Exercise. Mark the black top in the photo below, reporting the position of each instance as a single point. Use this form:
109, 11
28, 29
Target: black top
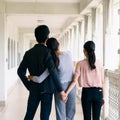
36, 60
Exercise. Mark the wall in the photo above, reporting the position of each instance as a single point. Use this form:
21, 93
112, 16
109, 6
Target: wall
11, 55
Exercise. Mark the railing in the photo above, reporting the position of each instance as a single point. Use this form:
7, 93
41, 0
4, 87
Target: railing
111, 109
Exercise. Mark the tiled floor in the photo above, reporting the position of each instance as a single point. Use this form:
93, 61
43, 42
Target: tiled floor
16, 106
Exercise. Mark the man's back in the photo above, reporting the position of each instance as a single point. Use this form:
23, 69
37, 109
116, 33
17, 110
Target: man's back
36, 60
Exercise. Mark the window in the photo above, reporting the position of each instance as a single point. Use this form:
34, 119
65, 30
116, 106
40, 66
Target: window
11, 53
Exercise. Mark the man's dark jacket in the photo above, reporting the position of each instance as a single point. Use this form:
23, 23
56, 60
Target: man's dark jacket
36, 60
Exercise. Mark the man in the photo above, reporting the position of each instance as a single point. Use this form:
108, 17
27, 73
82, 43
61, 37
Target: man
37, 60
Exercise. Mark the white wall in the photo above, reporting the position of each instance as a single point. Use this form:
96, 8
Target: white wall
2, 56
11, 73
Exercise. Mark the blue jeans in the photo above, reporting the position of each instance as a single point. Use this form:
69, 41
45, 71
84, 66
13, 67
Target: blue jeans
91, 103
33, 102
65, 111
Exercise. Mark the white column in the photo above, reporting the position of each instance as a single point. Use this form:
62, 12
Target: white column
69, 39
81, 40
75, 43
86, 27
3, 58
20, 46
61, 42
105, 26
66, 41
119, 34
93, 23
72, 42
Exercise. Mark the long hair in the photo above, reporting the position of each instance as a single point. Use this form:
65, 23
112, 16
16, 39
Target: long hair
89, 46
53, 44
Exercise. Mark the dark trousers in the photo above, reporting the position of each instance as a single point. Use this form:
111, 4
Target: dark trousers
33, 102
91, 103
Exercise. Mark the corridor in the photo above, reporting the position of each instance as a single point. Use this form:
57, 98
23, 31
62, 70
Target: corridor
72, 23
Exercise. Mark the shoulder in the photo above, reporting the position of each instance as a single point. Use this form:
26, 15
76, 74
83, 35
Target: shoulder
78, 63
82, 61
77, 66
38, 49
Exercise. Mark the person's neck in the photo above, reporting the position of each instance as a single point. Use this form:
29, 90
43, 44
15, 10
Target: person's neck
43, 43
86, 58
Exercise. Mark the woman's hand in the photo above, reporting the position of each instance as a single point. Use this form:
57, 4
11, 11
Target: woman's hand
30, 77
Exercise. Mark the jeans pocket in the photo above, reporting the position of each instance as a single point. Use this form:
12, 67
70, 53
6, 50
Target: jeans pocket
98, 95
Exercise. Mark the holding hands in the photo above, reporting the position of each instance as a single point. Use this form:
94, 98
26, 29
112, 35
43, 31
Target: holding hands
64, 96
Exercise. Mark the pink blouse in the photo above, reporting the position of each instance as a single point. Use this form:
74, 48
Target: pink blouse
88, 77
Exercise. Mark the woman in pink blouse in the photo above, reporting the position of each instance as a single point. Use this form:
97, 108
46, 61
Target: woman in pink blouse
90, 75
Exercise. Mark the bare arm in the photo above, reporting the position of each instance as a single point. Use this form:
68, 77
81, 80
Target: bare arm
72, 85
75, 79
40, 78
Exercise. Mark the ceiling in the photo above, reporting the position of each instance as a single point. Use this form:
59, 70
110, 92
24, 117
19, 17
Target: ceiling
57, 14
48, 1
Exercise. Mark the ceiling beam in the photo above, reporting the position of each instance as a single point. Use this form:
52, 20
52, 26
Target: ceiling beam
41, 8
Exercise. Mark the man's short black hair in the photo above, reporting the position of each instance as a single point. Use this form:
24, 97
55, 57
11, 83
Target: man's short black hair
41, 33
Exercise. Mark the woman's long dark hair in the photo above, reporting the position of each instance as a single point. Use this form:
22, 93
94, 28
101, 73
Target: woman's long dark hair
89, 46
53, 44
